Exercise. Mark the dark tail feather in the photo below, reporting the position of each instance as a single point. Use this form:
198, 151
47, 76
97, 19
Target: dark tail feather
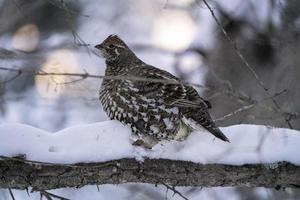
203, 118
218, 133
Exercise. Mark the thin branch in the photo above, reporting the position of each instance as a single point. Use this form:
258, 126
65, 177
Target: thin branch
70, 82
11, 79
81, 43
236, 50
247, 107
61, 5
87, 75
18, 8
33, 162
49, 195
11, 194
82, 76
173, 189
246, 63
244, 108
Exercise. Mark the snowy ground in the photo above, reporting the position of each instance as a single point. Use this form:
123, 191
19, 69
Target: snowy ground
111, 140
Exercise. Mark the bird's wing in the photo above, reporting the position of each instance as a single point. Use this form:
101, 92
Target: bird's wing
184, 96
173, 94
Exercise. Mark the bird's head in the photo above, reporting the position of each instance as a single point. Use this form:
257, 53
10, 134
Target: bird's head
113, 48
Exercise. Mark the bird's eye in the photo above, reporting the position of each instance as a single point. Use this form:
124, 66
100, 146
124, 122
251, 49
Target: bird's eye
111, 46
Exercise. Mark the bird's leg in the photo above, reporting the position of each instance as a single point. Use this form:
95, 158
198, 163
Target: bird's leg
146, 142
142, 143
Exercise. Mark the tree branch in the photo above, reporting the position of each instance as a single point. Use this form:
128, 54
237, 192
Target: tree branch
20, 174
246, 63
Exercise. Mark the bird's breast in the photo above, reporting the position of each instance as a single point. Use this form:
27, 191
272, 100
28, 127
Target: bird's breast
145, 115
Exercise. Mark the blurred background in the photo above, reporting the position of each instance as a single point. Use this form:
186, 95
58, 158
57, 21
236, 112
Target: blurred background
256, 80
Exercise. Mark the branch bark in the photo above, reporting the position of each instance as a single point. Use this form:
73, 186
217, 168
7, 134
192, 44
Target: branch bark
21, 174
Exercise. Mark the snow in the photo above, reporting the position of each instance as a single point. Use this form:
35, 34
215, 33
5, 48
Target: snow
110, 140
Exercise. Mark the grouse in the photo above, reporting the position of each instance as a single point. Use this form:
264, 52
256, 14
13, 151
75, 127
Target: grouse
155, 104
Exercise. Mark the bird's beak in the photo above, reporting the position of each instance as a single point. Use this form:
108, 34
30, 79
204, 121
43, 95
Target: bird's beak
98, 46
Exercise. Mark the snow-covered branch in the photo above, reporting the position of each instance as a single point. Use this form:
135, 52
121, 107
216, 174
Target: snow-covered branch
16, 173
102, 153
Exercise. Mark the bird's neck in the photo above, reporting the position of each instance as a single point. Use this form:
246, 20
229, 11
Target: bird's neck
122, 65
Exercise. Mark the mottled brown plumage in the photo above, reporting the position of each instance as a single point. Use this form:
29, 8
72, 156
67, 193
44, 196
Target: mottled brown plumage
154, 111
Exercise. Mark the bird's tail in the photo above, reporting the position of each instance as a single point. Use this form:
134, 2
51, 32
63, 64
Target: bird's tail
217, 132
199, 122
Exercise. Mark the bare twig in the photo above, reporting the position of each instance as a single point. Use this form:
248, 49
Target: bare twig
173, 189
83, 76
11, 194
236, 95
246, 63
50, 196
61, 5
87, 75
70, 82
11, 78
33, 162
247, 107
81, 43
18, 8
237, 51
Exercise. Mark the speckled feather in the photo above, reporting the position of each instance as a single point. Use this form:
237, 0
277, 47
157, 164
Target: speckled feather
158, 111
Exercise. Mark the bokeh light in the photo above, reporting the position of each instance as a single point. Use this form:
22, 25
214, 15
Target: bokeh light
60, 61
190, 62
26, 38
174, 30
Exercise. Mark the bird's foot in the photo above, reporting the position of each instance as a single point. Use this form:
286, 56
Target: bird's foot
142, 143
